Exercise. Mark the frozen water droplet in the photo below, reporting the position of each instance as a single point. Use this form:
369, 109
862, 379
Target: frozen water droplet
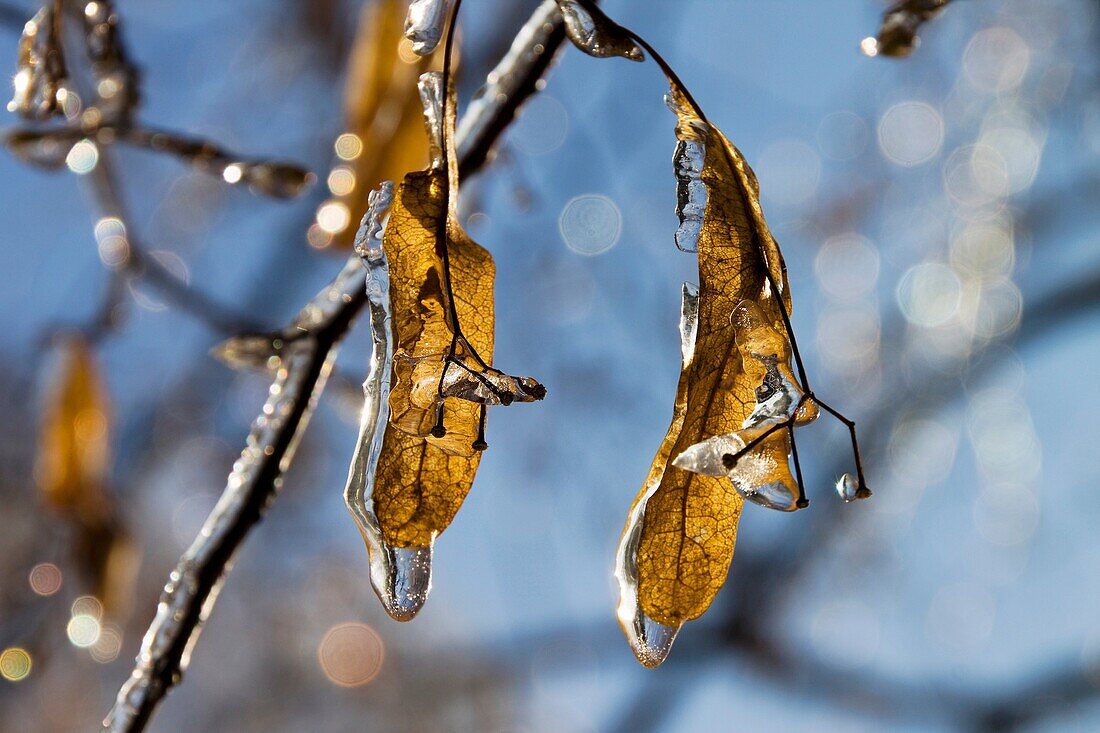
847, 486
278, 180
425, 22
650, 641
402, 579
593, 32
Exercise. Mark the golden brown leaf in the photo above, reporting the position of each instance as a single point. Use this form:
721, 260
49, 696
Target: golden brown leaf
421, 313
73, 461
422, 480
690, 521
73, 447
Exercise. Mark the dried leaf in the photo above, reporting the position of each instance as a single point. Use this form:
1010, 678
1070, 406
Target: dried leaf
690, 521
72, 468
900, 24
422, 476
73, 448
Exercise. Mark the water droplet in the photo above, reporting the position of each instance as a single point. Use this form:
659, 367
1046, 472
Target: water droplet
847, 486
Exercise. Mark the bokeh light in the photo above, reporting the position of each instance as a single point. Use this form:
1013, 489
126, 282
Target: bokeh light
590, 224
910, 133
15, 664
45, 578
351, 654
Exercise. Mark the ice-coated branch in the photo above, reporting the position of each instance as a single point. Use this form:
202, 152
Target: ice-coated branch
192, 587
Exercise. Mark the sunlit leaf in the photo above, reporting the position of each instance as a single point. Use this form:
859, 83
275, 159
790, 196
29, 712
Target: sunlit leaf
442, 349
690, 520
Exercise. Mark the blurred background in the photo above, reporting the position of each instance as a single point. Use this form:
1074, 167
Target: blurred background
938, 219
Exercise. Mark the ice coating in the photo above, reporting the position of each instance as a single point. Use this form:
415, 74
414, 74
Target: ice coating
651, 641
780, 403
597, 35
430, 86
508, 76
706, 457
848, 488
488, 386
425, 22
691, 192
401, 577
185, 583
688, 161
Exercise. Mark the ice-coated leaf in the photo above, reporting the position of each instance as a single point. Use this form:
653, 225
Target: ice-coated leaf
425, 23
424, 317
406, 481
593, 32
900, 24
689, 522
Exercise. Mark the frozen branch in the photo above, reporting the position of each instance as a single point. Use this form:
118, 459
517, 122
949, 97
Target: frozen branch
193, 585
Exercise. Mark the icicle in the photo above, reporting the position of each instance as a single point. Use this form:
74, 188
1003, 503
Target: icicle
650, 640
597, 35
687, 163
400, 576
430, 85
425, 23
848, 488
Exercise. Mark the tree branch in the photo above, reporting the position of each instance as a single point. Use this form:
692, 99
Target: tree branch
193, 585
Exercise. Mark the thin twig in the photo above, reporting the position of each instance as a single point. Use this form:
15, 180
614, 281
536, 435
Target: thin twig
137, 264
185, 605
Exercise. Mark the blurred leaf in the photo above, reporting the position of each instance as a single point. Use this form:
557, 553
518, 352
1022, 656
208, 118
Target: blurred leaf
73, 463
381, 105
74, 442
